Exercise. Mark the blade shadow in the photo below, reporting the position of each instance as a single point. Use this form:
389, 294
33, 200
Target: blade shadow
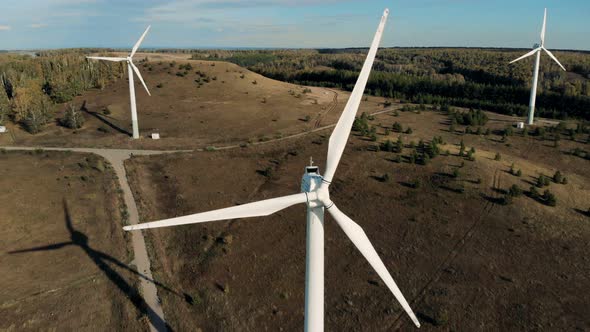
104, 120
100, 259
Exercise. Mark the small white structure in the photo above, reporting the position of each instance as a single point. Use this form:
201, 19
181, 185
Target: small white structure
3, 129
155, 136
520, 125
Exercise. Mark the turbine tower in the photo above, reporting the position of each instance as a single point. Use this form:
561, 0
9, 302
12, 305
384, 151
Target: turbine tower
537, 50
316, 195
130, 69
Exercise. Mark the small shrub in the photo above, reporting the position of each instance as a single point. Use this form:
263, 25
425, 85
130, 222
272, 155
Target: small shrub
388, 146
409, 131
557, 177
549, 198
455, 173
462, 149
498, 157
533, 193
73, 118
543, 181
160, 85
514, 191
267, 172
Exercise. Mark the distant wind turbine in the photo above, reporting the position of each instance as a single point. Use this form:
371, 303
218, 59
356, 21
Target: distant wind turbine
537, 51
316, 195
130, 68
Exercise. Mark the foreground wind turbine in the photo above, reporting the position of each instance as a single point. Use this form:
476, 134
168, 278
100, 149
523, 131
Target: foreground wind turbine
537, 51
316, 195
130, 68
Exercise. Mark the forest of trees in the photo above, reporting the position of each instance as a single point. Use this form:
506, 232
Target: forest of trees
30, 87
472, 78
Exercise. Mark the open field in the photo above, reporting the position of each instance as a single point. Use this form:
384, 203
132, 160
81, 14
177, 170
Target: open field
463, 259
213, 104
63, 258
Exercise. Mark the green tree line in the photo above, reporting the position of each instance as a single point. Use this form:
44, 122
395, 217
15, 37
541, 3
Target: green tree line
474, 78
30, 87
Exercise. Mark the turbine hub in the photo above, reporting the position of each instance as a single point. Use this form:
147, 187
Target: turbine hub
323, 196
316, 188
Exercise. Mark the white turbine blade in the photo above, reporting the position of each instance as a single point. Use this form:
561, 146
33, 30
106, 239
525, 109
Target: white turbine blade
106, 58
256, 209
136, 70
340, 134
554, 58
361, 241
544, 27
136, 46
527, 55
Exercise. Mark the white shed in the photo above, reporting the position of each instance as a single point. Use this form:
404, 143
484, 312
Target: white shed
520, 125
3, 129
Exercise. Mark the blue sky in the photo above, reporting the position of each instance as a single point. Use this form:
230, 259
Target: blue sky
30, 24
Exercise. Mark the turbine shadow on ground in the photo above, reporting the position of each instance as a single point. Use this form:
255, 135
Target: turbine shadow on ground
103, 119
100, 259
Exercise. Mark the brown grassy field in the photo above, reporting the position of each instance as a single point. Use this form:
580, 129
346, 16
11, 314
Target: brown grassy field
214, 104
465, 261
63, 257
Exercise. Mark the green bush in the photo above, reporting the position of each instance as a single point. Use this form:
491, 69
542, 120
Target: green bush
543, 181
558, 177
388, 146
470, 118
73, 118
549, 198
514, 191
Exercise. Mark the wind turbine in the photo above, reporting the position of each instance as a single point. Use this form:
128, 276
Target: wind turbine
316, 195
537, 51
130, 69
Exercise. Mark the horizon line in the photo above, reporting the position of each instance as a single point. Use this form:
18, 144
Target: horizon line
246, 48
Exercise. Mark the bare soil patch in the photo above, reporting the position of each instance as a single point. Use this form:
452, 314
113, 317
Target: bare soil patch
63, 258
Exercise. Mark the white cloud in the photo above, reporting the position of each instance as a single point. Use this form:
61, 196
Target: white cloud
5, 27
38, 25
